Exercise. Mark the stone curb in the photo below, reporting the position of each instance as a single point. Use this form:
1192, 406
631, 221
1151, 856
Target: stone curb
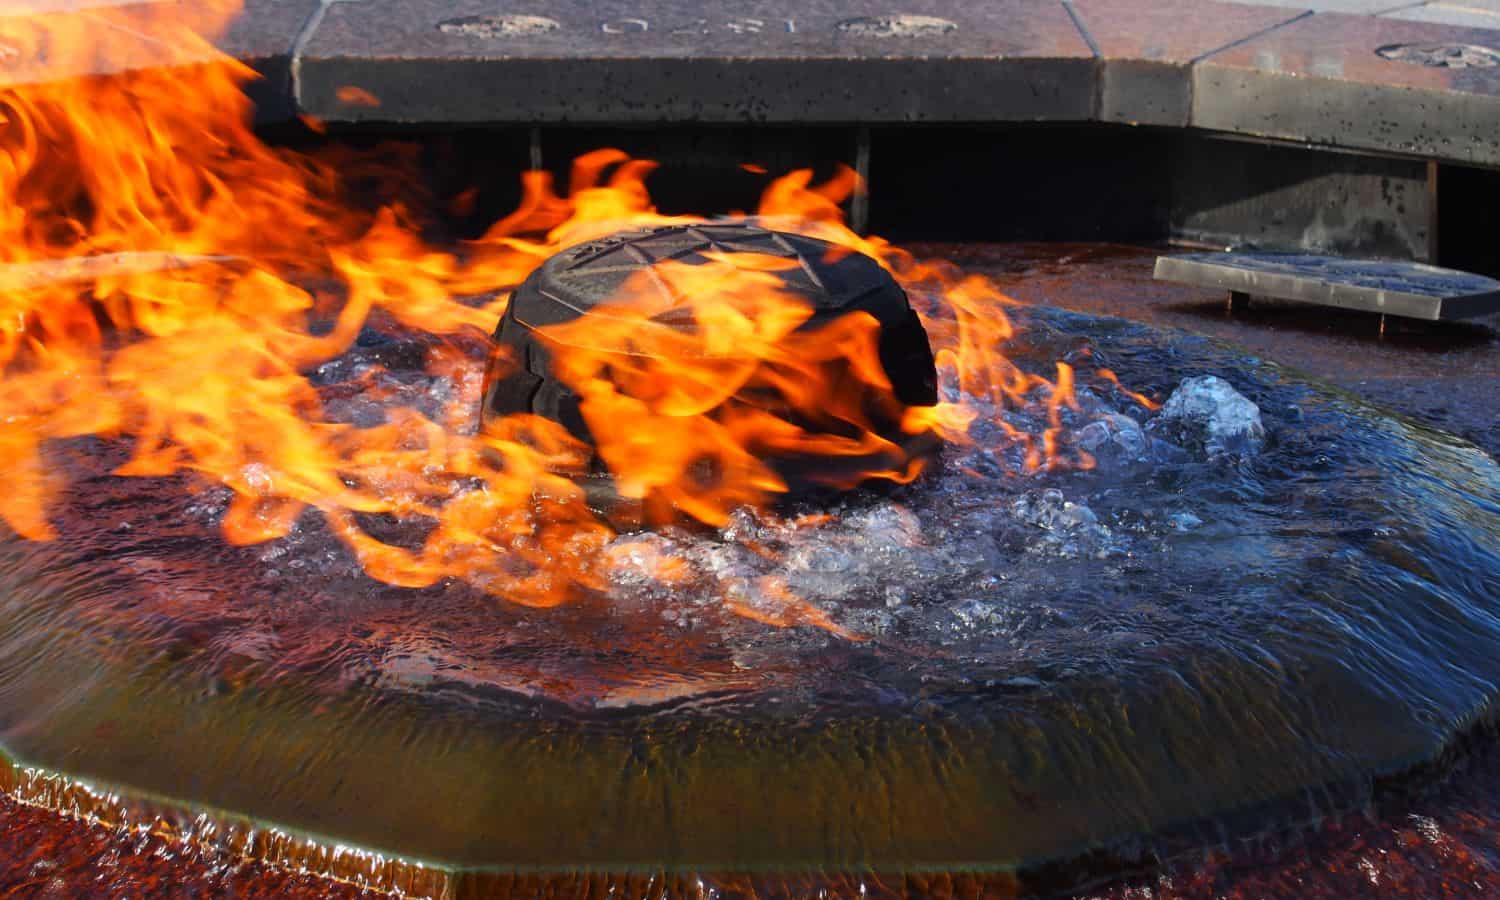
1420, 81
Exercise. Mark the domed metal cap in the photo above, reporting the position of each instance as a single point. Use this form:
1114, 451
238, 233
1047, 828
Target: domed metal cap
570, 285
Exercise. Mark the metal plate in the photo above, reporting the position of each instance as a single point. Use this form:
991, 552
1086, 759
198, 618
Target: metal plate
1409, 289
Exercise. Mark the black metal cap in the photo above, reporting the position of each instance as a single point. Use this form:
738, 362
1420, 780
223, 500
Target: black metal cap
833, 280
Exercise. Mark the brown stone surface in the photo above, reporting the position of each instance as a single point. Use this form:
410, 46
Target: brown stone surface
1444, 842
47, 855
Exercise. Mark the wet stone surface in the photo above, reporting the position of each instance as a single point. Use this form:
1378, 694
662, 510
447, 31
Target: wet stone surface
1442, 840
1440, 374
1218, 622
1002, 604
47, 855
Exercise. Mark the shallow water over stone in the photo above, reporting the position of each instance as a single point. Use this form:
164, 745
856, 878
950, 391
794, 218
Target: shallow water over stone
1178, 643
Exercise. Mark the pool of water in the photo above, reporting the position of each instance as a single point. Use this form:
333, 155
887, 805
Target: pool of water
1025, 670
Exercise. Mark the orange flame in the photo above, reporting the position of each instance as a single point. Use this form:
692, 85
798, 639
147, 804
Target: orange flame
161, 270
689, 420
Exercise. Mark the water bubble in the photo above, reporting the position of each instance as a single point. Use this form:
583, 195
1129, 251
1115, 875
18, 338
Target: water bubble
1114, 439
1207, 413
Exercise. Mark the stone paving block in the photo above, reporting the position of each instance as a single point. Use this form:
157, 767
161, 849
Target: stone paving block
1413, 290
126, 35
1463, 14
1359, 82
622, 61
1147, 47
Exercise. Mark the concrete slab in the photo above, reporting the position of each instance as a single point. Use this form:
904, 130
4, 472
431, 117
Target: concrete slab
1412, 290
1147, 48
619, 62
1359, 82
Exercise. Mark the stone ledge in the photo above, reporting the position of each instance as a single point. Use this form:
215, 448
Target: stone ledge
1275, 70
1379, 84
577, 61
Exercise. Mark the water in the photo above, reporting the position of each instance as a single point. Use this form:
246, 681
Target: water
1213, 632
1206, 413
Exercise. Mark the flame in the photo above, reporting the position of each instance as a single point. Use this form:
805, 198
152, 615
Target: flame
357, 96
162, 272
691, 420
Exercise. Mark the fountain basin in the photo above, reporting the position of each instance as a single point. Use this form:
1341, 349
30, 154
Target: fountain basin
1032, 685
